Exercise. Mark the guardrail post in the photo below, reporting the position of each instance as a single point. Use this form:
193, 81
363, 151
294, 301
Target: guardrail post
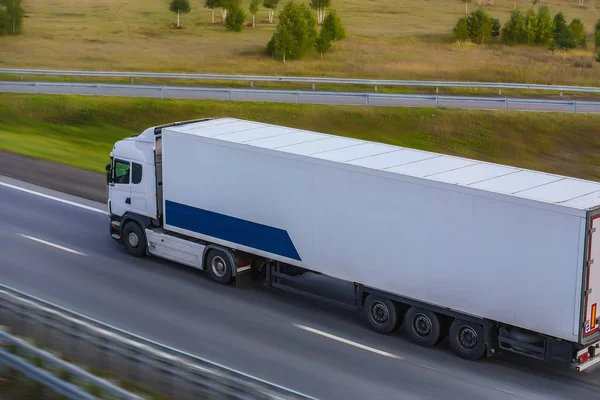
37, 90
506, 103
162, 89
131, 79
437, 90
98, 90
375, 88
313, 86
251, 84
368, 100
437, 101
574, 106
229, 95
499, 91
298, 97
561, 93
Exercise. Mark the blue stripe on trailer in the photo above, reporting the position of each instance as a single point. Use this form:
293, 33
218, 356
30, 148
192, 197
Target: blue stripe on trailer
232, 229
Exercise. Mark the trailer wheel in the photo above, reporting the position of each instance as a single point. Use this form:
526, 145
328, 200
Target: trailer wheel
466, 340
382, 314
219, 267
134, 239
422, 326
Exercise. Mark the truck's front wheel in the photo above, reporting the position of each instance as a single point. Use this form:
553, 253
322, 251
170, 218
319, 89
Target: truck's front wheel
219, 266
134, 239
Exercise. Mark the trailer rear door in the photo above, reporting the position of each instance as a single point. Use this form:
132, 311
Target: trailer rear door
593, 279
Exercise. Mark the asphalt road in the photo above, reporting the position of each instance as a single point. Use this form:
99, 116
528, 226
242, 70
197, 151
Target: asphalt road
313, 97
256, 330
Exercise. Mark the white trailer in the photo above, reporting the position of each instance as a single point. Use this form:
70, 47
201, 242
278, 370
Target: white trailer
495, 257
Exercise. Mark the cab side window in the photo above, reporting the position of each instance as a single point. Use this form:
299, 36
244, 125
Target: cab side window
136, 173
122, 172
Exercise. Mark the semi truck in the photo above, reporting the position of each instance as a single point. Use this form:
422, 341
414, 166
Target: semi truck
492, 257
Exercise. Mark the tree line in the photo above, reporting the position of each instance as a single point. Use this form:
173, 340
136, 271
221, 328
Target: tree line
533, 28
296, 32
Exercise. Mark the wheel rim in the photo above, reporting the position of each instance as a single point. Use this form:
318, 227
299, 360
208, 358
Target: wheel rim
379, 313
218, 266
422, 325
133, 239
467, 338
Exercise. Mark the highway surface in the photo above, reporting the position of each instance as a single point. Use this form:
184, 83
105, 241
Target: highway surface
313, 97
57, 247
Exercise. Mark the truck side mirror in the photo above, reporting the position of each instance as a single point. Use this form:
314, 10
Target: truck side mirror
108, 174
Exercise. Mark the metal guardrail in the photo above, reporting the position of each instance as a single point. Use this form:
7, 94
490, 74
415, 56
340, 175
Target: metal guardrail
51, 381
301, 79
155, 366
298, 96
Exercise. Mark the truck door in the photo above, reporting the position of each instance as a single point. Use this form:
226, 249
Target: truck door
138, 189
120, 188
593, 279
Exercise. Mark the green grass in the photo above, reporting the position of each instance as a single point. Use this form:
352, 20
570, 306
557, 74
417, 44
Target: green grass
388, 39
80, 131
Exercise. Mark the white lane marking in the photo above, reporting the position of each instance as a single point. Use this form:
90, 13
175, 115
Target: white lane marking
51, 244
46, 196
346, 341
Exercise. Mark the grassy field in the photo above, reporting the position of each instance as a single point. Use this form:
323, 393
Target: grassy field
392, 39
80, 131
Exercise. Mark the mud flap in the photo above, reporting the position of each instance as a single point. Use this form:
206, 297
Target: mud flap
243, 276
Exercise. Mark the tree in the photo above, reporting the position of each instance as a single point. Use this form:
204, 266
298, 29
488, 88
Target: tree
461, 30
513, 31
495, 27
559, 22
323, 42
545, 27
254, 6
552, 46
466, 6
12, 19
271, 5
333, 24
212, 4
295, 33
479, 24
565, 39
578, 31
179, 7
320, 6
235, 16
530, 27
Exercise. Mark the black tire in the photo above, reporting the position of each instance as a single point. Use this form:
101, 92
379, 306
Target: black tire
422, 326
134, 239
382, 314
219, 267
467, 340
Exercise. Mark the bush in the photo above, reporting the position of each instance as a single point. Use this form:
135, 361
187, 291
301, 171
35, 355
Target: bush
460, 32
597, 40
479, 24
565, 39
235, 18
333, 25
598, 57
